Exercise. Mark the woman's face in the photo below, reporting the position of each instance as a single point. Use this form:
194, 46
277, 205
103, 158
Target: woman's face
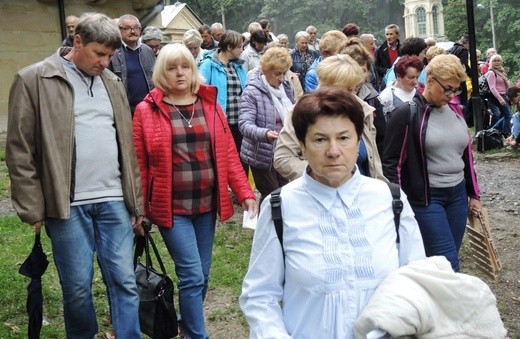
496, 63
302, 44
284, 42
234, 52
410, 80
194, 49
179, 76
259, 46
275, 75
331, 147
439, 92
154, 44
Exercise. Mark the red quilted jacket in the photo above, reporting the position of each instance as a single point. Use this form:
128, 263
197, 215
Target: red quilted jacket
153, 144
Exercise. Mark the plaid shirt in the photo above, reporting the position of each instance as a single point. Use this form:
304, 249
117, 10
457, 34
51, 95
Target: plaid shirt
234, 91
193, 172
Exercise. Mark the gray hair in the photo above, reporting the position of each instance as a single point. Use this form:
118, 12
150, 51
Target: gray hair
216, 25
151, 33
192, 37
310, 28
302, 34
393, 26
96, 27
127, 17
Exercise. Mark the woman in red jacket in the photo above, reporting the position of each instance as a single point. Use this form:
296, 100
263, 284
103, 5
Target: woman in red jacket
187, 159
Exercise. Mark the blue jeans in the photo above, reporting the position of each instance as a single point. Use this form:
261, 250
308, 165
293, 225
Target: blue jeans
443, 222
501, 119
190, 243
104, 228
516, 125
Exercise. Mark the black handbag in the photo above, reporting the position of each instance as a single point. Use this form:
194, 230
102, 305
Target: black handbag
157, 315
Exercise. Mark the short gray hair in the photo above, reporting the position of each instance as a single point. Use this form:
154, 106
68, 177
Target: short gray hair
301, 34
216, 25
192, 37
96, 27
127, 17
393, 26
310, 28
151, 33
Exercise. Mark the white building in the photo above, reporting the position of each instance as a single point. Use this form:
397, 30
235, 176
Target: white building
424, 18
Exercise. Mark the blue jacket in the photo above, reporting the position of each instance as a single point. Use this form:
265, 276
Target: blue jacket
214, 73
299, 66
311, 78
257, 117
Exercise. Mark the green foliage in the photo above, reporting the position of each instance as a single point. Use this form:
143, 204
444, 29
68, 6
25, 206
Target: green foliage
506, 15
291, 16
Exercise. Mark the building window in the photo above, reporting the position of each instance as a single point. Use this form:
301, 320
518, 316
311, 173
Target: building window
435, 18
420, 14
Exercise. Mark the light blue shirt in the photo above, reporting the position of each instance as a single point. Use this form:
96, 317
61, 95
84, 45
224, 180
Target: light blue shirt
339, 243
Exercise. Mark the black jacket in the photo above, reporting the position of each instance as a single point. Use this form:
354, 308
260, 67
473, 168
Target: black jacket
382, 62
404, 155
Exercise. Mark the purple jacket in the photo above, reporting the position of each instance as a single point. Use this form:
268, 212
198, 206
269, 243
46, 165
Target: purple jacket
258, 116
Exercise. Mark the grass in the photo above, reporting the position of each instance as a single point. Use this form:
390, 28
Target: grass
231, 257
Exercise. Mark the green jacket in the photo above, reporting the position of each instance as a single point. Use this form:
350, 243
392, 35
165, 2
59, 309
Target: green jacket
40, 141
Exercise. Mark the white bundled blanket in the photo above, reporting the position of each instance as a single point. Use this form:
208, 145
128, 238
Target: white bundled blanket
426, 299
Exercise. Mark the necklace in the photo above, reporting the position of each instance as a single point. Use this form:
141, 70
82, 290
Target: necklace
182, 115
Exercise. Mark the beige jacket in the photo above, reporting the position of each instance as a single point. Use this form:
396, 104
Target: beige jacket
290, 162
40, 142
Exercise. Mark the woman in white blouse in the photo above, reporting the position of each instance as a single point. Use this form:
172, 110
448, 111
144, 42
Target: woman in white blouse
339, 237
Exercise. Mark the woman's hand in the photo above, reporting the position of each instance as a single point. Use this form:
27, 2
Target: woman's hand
250, 205
272, 136
474, 205
503, 102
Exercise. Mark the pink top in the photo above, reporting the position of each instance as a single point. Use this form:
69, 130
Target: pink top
497, 84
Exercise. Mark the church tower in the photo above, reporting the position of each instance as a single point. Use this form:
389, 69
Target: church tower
424, 18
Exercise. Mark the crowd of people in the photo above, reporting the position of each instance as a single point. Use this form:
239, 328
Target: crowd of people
118, 126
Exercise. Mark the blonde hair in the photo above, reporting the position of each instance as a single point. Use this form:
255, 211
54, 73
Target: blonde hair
168, 55
500, 69
446, 67
275, 56
192, 37
340, 71
331, 42
433, 51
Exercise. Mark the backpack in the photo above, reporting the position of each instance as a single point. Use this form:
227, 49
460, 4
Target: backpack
276, 210
483, 86
488, 139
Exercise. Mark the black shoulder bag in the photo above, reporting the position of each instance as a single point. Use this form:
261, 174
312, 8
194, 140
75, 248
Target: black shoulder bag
157, 315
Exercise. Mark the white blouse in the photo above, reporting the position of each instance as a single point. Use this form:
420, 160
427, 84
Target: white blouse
339, 244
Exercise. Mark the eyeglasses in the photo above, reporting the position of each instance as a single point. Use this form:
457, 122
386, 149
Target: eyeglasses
129, 29
449, 90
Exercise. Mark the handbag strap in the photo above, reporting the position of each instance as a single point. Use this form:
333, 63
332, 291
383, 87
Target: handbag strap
142, 246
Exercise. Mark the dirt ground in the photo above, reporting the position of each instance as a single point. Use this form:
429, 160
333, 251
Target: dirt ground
499, 178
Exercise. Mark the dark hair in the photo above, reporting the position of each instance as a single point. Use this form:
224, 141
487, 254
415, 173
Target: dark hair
328, 102
230, 39
264, 23
512, 92
405, 62
97, 27
258, 36
413, 46
350, 29
204, 28
464, 39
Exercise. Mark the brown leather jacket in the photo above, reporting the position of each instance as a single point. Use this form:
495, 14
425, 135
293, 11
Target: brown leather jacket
40, 141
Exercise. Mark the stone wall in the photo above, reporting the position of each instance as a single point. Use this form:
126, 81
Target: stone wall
30, 31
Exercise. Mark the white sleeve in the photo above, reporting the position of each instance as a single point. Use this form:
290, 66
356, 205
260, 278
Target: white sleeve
262, 289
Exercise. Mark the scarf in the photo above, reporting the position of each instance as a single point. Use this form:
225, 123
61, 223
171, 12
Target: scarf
279, 97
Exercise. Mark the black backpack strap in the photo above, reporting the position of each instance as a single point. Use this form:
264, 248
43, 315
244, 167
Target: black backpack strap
397, 206
276, 213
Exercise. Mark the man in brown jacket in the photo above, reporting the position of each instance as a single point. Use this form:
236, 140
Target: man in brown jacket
72, 166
